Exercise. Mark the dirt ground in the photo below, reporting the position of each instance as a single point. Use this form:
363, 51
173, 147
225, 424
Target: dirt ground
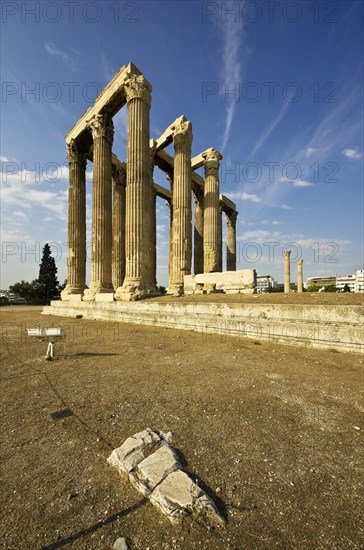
274, 433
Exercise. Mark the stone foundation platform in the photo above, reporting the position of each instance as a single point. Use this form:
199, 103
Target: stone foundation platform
325, 327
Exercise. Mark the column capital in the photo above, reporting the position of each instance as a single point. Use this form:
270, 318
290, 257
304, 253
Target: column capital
299, 262
231, 218
212, 159
119, 174
182, 133
101, 126
75, 154
287, 254
138, 87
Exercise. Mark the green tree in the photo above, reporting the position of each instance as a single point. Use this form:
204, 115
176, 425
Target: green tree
346, 288
28, 291
47, 280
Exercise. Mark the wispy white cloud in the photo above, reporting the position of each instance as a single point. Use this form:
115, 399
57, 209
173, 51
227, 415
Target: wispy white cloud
352, 154
4, 159
310, 150
232, 67
28, 190
267, 132
244, 196
296, 182
71, 59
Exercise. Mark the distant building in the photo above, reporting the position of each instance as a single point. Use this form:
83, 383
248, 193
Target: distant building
355, 281
265, 283
349, 280
359, 280
320, 281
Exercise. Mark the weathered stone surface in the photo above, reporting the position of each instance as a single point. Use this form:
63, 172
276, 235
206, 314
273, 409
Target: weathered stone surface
315, 326
134, 450
243, 280
178, 496
121, 544
159, 477
154, 469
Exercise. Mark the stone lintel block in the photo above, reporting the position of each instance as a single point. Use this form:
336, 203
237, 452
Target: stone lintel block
104, 297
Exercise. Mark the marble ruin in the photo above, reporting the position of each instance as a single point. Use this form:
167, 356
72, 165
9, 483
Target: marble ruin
123, 248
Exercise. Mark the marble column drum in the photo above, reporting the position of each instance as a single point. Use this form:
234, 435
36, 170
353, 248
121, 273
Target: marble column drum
118, 225
102, 129
231, 241
76, 261
212, 232
139, 196
182, 212
198, 254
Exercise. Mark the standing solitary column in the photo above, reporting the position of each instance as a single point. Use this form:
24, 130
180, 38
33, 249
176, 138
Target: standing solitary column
287, 271
118, 226
102, 129
299, 276
182, 212
212, 231
139, 197
198, 233
76, 261
231, 241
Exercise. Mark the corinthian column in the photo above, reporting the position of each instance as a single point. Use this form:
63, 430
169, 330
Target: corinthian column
102, 130
118, 226
287, 271
182, 212
76, 261
212, 238
198, 233
139, 280
299, 276
231, 241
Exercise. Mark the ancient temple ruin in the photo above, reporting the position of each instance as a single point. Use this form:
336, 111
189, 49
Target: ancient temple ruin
123, 256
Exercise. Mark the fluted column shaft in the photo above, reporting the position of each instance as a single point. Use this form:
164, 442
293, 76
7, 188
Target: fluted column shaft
139, 193
76, 261
118, 226
102, 130
198, 233
231, 241
219, 240
299, 276
212, 221
153, 237
182, 212
287, 271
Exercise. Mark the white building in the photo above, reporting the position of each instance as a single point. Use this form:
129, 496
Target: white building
265, 282
359, 280
355, 281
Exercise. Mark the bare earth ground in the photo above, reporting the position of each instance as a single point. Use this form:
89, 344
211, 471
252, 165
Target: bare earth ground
273, 431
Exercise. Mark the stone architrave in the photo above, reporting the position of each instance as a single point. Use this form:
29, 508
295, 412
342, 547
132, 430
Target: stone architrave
212, 215
198, 253
182, 212
102, 129
76, 261
287, 271
118, 225
139, 280
231, 241
299, 276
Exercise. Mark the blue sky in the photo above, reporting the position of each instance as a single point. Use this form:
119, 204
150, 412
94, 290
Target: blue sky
276, 87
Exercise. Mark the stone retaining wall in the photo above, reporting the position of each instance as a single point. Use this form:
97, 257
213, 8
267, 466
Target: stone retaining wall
324, 327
